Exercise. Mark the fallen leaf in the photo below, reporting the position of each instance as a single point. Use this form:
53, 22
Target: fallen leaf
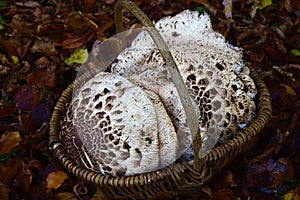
229, 180
24, 178
21, 26
72, 41
15, 59
9, 169
79, 56
283, 96
295, 52
26, 97
44, 47
65, 196
264, 3
42, 77
55, 179
227, 8
40, 114
267, 175
29, 4
224, 194
7, 110
291, 196
8, 141
4, 191
290, 187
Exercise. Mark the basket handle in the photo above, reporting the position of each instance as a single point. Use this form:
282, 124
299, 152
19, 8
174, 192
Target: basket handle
184, 96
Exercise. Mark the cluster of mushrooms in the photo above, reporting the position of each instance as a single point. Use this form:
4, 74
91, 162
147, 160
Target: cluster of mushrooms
130, 120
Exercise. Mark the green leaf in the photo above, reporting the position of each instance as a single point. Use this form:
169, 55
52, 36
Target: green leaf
46, 154
283, 190
289, 196
2, 3
79, 56
202, 9
264, 3
6, 156
295, 52
44, 93
1, 20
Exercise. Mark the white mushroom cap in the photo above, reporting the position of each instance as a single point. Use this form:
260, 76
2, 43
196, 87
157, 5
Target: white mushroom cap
213, 70
167, 135
118, 128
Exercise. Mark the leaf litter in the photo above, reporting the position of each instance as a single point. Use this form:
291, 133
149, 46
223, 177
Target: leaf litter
37, 38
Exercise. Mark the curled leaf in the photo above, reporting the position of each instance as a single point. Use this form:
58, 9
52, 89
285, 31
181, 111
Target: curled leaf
227, 8
8, 141
55, 179
4, 191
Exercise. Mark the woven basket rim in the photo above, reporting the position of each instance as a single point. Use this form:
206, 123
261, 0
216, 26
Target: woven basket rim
241, 142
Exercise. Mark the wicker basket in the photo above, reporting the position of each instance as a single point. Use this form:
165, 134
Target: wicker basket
168, 182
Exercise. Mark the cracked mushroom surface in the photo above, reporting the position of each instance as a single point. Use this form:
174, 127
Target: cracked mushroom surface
218, 81
115, 127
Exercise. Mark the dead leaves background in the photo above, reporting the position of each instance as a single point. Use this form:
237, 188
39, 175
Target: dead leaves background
36, 37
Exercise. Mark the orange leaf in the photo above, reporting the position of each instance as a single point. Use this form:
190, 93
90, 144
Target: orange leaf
8, 141
55, 179
229, 180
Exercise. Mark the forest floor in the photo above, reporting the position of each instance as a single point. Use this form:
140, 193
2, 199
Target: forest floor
37, 37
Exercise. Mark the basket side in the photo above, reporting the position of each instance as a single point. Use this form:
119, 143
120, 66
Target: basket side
247, 138
172, 180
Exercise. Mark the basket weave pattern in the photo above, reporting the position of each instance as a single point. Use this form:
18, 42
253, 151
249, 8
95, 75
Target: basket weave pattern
170, 181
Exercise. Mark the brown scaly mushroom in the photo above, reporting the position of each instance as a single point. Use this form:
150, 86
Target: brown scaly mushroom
115, 127
119, 123
213, 70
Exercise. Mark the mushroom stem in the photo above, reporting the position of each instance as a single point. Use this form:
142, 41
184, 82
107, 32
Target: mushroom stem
184, 96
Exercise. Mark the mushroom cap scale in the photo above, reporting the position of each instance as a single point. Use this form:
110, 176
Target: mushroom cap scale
213, 70
111, 126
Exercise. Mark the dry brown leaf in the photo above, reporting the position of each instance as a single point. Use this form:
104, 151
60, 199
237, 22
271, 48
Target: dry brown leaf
7, 110
55, 179
99, 195
22, 27
224, 194
4, 191
44, 47
8, 141
65, 196
42, 77
72, 41
9, 170
27, 97
25, 176
229, 180
286, 95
